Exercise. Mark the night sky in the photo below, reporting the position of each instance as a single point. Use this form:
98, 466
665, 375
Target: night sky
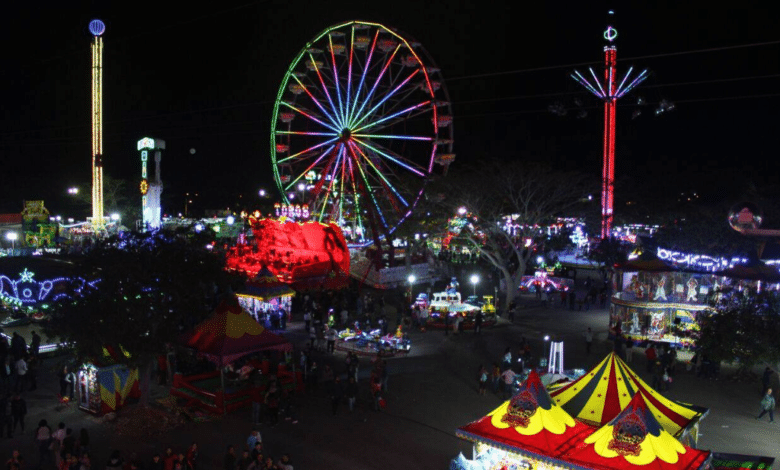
204, 76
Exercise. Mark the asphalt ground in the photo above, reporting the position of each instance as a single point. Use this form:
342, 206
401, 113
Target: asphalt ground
432, 391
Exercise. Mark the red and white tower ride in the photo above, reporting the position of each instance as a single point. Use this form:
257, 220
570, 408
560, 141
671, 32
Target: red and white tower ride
609, 93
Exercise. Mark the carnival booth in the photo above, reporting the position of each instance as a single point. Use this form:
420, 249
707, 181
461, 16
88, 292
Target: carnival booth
106, 384
531, 431
228, 335
600, 394
267, 299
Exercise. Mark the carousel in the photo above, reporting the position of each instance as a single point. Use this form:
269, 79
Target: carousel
267, 299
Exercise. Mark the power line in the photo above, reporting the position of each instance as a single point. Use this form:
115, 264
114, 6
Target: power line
580, 64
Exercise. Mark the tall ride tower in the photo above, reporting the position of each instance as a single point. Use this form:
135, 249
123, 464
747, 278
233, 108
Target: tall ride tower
151, 188
609, 93
97, 28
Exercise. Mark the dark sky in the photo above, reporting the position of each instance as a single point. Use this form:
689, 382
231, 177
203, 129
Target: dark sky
203, 76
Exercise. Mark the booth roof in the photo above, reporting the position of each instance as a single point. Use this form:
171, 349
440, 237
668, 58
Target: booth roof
231, 333
599, 396
635, 439
266, 285
530, 423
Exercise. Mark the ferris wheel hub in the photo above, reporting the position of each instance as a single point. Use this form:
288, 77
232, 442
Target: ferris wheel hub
345, 135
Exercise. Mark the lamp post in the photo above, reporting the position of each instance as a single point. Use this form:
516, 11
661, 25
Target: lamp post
411, 280
12, 237
474, 282
301, 189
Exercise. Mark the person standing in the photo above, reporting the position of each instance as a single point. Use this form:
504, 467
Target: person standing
229, 461
336, 394
588, 340
307, 320
766, 378
495, 377
192, 456
651, 357
768, 406
18, 411
254, 438
629, 350
483, 379
331, 335
43, 440
478, 322
35, 344
21, 374
6, 420
351, 393
508, 377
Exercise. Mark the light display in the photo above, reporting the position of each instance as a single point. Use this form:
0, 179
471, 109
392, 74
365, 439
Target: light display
306, 255
698, 261
151, 189
25, 291
360, 106
97, 28
609, 93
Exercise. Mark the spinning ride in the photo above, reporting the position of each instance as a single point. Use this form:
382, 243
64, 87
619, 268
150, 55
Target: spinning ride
361, 117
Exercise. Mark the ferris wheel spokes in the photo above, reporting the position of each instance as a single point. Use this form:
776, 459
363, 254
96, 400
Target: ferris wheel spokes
365, 68
416, 170
304, 113
386, 97
335, 116
381, 177
336, 80
394, 115
376, 82
316, 101
313, 147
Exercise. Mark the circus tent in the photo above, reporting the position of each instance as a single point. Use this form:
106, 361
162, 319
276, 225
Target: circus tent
635, 439
265, 286
603, 392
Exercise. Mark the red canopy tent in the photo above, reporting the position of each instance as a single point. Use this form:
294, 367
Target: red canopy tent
232, 333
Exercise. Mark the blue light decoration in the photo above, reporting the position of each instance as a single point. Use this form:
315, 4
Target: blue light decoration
699, 261
97, 27
25, 291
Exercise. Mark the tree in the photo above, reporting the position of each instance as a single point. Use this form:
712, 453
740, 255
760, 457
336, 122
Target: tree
532, 194
743, 327
152, 288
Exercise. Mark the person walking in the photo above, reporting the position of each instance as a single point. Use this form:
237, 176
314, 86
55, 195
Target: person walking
43, 440
651, 356
21, 374
507, 362
768, 405
6, 420
588, 340
35, 344
478, 322
331, 335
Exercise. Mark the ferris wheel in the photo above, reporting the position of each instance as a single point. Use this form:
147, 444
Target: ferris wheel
361, 118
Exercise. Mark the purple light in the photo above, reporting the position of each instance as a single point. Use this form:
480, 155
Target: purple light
97, 27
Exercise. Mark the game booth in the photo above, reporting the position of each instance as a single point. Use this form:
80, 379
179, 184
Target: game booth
229, 335
267, 299
106, 384
608, 419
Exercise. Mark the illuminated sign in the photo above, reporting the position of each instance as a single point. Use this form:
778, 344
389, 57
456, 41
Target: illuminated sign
704, 262
146, 143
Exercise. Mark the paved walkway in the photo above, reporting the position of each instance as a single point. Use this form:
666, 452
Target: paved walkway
432, 391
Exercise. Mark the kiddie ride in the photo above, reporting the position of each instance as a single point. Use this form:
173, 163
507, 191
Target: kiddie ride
372, 343
446, 308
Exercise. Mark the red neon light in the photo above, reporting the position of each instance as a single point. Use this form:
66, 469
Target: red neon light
608, 170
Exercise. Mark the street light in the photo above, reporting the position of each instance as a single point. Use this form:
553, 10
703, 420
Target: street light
302, 188
474, 282
115, 217
261, 193
12, 237
73, 191
411, 280
462, 210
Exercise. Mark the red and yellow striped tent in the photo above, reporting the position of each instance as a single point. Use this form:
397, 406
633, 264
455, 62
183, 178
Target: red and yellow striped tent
598, 397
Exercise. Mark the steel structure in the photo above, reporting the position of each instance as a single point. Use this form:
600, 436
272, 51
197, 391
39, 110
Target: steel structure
360, 120
609, 93
97, 28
